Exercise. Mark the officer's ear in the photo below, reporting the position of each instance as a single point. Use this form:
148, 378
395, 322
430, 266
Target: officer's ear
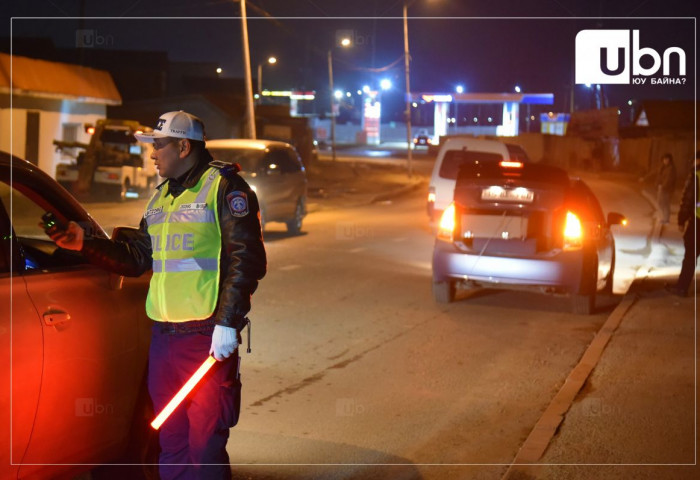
184, 147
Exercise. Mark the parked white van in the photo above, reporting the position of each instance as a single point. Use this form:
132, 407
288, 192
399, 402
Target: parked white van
453, 153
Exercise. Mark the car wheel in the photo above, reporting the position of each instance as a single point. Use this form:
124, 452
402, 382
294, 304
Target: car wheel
444, 292
294, 225
125, 188
583, 304
583, 301
608, 288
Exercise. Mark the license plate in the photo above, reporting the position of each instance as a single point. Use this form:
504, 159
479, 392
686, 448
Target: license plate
499, 194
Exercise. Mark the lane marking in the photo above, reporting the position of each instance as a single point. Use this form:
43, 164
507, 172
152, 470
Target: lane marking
546, 427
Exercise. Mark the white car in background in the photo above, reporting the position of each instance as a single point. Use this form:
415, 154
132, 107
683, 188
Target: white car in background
455, 152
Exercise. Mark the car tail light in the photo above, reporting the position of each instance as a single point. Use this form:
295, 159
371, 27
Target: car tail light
448, 222
573, 232
510, 164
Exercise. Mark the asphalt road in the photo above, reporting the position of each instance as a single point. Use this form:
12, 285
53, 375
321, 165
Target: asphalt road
357, 373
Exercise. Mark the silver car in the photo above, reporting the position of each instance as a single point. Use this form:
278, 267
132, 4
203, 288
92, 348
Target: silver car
522, 225
276, 174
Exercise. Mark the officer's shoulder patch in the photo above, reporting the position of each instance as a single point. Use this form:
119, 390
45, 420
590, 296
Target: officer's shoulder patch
226, 169
238, 203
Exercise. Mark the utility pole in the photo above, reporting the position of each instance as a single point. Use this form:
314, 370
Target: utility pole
246, 68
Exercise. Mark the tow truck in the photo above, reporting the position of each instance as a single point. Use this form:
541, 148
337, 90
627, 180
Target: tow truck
113, 166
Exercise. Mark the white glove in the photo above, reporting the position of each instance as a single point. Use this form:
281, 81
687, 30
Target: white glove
223, 342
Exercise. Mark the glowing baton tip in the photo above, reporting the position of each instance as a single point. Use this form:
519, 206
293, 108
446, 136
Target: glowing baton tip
183, 392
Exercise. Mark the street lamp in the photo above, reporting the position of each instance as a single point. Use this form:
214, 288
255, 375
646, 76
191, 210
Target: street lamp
407, 112
246, 68
271, 61
345, 42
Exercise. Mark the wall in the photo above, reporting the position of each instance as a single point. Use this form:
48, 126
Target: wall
53, 113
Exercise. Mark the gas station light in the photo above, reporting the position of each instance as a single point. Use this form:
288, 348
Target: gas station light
365, 89
459, 89
338, 94
385, 84
517, 89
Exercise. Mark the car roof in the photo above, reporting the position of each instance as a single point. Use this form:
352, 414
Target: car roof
245, 143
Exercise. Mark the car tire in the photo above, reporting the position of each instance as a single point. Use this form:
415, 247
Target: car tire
583, 301
126, 186
608, 288
583, 304
294, 225
444, 292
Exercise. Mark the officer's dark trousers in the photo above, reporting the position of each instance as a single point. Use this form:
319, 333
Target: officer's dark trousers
692, 250
193, 440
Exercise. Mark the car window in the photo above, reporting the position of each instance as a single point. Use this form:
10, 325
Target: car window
515, 152
586, 203
454, 159
37, 250
291, 163
278, 158
248, 159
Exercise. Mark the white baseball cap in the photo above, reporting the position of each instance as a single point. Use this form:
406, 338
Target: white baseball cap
175, 125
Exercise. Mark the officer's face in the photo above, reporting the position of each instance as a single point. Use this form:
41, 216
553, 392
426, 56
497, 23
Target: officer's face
166, 154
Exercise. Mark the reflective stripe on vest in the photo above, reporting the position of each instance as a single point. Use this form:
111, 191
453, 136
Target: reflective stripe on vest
186, 243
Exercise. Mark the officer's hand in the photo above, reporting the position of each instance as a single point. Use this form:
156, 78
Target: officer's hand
71, 238
224, 342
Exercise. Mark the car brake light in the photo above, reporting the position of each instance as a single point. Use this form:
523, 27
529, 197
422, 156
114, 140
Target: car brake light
573, 232
447, 223
510, 164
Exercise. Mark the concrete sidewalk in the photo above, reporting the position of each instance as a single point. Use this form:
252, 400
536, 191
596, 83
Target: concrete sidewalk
635, 417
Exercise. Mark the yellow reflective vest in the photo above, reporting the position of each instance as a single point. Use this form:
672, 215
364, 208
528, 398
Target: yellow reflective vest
186, 243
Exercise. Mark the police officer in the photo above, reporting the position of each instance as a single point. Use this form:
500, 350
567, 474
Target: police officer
689, 223
201, 236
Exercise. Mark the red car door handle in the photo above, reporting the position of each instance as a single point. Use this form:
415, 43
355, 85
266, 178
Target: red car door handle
56, 317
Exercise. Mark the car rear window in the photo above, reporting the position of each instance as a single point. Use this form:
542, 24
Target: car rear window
527, 172
248, 159
515, 152
454, 159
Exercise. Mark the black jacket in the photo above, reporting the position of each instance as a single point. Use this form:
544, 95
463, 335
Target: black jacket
688, 200
243, 259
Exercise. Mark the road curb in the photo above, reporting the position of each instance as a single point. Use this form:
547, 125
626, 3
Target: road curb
546, 427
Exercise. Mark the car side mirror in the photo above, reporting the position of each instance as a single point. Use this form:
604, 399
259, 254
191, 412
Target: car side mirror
615, 218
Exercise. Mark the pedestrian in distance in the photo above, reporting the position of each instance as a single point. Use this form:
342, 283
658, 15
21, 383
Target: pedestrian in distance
665, 185
201, 236
689, 223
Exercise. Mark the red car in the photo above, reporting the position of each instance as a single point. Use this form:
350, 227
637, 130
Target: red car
74, 339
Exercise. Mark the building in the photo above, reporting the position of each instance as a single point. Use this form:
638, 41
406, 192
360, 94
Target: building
43, 101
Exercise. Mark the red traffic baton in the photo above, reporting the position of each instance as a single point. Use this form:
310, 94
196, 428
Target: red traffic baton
183, 392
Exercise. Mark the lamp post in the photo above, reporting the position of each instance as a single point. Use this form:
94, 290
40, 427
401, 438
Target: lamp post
246, 68
345, 42
271, 61
407, 113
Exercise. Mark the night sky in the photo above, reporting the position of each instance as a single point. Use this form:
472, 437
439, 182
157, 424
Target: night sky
451, 41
